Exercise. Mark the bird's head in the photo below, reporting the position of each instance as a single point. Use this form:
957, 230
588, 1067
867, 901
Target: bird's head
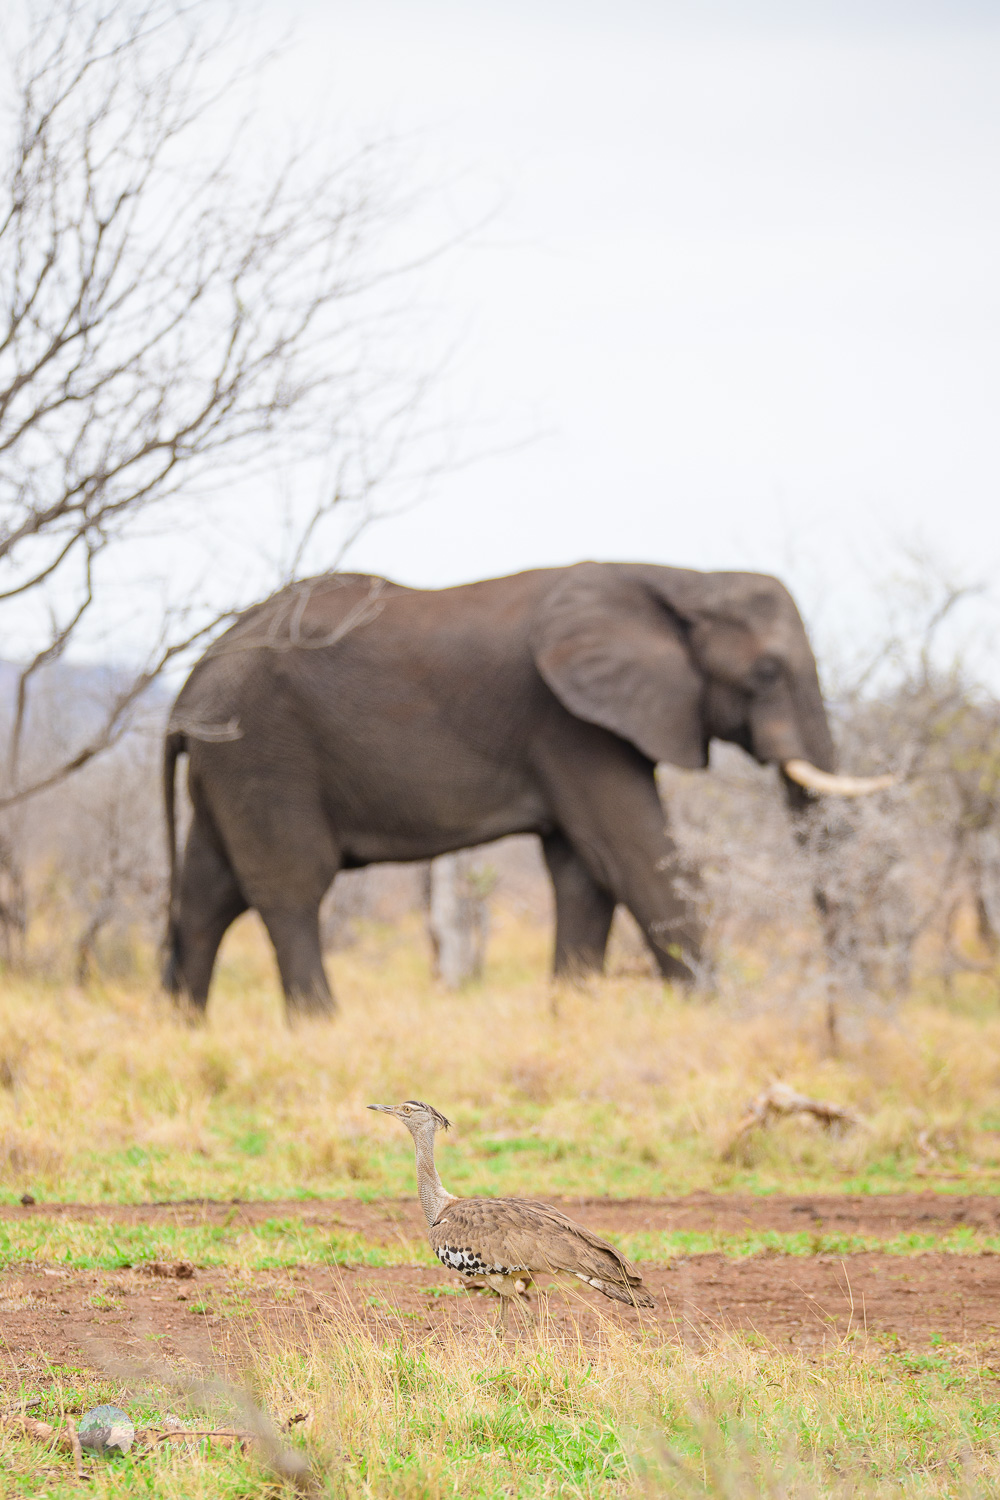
416, 1116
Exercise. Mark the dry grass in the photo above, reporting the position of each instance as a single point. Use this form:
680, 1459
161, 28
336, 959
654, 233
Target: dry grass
620, 1087
391, 1416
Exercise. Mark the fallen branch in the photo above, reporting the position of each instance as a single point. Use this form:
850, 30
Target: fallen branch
152, 1438
260, 1433
44, 1432
779, 1099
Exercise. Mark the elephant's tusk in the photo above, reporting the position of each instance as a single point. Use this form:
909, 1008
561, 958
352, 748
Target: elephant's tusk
815, 780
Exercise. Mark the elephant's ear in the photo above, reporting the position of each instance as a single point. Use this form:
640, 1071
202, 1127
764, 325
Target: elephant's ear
613, 649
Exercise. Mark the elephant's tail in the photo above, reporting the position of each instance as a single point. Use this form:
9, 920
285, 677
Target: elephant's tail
174, 745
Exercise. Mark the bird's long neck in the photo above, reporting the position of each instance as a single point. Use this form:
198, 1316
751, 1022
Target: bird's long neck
433, 1198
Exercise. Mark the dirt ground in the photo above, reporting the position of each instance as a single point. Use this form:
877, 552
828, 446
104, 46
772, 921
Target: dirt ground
383, 1220
57, 1317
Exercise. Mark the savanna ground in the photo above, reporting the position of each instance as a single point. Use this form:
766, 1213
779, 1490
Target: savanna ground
828, 1305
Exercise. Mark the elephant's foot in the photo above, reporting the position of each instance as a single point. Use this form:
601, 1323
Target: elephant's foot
310, 1005
187, 1009
189, 1013
180, 1007
578, 967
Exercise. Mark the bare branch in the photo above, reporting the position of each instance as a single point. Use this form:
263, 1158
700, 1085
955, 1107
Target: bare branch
116, 721
165, 315
49, 653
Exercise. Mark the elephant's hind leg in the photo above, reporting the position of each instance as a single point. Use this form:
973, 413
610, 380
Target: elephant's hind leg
208, 901
294, 931
583, 909
286, 855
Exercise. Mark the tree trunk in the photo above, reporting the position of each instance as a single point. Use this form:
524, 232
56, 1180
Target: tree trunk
456, 921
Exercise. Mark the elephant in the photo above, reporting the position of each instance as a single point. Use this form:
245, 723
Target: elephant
349, 720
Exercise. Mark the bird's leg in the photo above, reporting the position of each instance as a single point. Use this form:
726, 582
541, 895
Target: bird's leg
501, 1323
524, 1301
525, 1318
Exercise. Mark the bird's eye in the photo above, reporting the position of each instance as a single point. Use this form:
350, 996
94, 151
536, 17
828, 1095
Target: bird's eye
767, 671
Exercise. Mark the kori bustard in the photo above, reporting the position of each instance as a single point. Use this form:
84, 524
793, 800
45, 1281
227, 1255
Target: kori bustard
506, 1241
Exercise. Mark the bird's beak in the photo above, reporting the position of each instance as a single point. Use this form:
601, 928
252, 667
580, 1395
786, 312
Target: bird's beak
384, 1109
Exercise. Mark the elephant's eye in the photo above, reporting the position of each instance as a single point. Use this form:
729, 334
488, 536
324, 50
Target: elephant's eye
767, 671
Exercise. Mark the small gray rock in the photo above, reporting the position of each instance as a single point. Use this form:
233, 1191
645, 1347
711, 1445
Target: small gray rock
106, 1429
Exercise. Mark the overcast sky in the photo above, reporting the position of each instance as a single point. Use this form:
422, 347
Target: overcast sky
740, 288
726, 294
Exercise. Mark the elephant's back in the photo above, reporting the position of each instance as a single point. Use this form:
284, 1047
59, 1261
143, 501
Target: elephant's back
309, 616
406, 713
351, 662
349, 632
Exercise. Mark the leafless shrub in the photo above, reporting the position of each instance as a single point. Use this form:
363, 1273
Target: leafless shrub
13, 898
849, 898
97, 867
114, 867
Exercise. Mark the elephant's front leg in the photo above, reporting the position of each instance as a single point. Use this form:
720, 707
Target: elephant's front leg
662, 907
606, 803
583, 909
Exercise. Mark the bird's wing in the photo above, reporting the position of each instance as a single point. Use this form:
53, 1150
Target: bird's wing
516, 1233
468, 1236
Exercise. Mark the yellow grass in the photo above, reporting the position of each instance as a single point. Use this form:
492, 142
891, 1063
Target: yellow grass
619, 1087
389, 1415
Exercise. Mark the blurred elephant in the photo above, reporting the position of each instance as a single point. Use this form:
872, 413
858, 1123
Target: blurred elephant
348, 721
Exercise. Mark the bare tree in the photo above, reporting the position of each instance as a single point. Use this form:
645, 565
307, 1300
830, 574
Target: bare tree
165, 315
458, 917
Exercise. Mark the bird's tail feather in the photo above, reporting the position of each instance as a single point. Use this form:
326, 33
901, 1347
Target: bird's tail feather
635, 1296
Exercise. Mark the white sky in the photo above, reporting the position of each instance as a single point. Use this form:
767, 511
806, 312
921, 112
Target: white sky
741, 284
737, 303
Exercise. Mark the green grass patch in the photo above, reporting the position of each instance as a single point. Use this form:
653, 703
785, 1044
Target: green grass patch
663, 1245
107, 1246
281, 1243
262, 1165
632, 1420
204, 1472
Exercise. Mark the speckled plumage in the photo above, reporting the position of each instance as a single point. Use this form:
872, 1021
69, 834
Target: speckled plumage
506, 1241
513, 1237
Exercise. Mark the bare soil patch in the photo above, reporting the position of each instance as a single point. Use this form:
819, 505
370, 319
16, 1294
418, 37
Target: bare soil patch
66, 1317
382, 1220
50, 1316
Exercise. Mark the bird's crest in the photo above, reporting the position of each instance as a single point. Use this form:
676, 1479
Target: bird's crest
435, 1114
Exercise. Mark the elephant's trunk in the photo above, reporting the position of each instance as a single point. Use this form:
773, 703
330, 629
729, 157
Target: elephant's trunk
828, 784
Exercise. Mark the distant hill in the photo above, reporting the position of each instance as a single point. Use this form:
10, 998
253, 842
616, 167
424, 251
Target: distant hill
67, 701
